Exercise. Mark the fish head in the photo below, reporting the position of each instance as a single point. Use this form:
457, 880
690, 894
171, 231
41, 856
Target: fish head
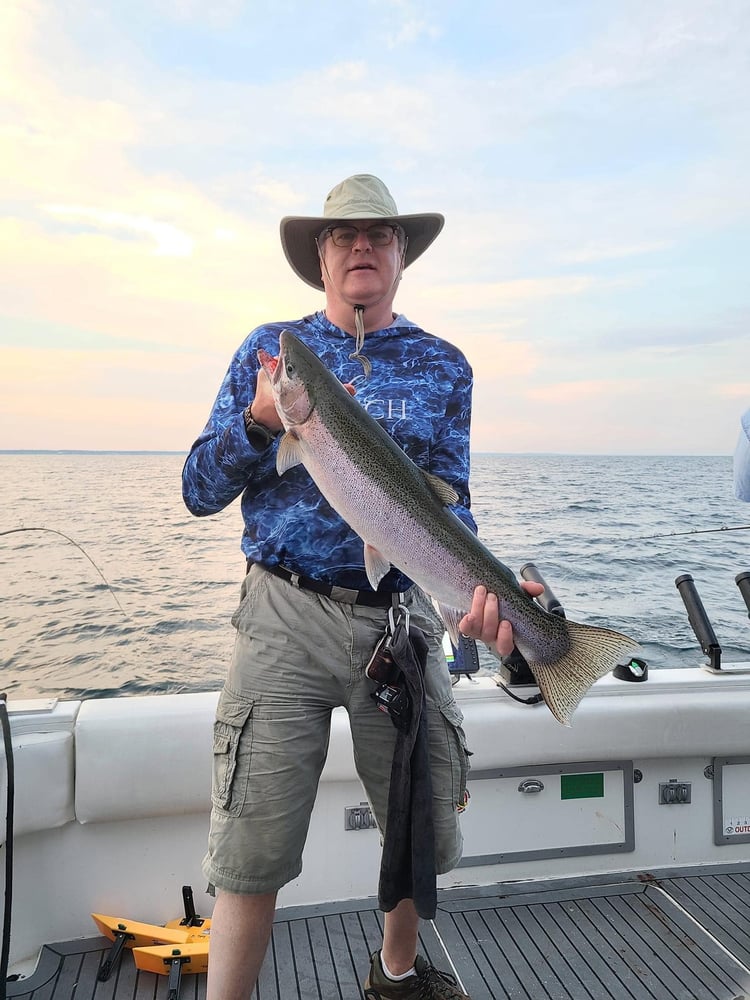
292, 379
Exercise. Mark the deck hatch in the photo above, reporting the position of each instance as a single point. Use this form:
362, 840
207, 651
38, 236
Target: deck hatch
576, 809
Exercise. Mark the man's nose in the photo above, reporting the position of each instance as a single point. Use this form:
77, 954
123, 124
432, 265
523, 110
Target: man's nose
362, 241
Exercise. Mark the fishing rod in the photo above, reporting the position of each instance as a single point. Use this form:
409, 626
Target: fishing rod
694, 531
9, 810
54, 531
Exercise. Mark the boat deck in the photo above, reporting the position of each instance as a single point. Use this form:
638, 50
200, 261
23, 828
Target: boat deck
680, 936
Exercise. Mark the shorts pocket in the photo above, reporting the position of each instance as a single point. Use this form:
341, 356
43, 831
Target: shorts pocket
459, 752
253, 586
232, 743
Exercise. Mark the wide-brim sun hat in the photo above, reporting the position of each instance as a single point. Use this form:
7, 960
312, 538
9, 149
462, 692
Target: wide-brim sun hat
361, 196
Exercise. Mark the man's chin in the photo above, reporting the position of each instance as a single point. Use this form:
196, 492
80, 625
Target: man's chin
368, 284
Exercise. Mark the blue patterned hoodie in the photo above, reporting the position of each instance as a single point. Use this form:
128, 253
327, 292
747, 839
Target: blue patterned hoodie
419, 391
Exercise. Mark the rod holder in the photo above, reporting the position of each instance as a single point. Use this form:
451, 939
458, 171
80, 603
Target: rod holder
547, 599
699, 620
743, 582
515, 669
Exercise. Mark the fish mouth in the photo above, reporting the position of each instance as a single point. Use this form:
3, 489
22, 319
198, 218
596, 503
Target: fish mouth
270, 365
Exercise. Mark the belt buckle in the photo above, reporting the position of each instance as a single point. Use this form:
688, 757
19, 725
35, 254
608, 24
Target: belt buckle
344, 594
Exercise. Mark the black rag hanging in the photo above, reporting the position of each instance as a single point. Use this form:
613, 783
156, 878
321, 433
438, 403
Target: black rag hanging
407, 869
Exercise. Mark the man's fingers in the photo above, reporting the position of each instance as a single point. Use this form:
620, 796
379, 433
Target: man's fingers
483, 617
482, 621
504, 639
471, 623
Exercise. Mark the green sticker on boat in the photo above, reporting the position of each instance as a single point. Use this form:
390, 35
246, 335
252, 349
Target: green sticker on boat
582, 786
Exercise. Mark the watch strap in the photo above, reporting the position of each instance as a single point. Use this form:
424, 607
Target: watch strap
258, 435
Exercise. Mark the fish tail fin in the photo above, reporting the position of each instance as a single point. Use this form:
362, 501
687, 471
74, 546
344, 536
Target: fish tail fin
593, 652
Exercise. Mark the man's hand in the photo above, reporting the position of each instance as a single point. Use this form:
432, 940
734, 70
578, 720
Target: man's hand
263, 407
483, 619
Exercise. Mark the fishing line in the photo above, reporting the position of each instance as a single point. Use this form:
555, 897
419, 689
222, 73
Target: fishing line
54, 531
695, 531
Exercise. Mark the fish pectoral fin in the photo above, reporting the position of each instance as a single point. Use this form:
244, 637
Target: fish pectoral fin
593, 652
451, 617
376, 565
289, 454
442, 490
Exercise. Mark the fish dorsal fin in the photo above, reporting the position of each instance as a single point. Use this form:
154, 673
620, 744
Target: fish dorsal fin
442, 490
376, 565
289, 454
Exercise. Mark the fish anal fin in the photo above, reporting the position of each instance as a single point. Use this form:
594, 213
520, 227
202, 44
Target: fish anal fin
289, 454
593, 652
376, 565
451, 618
442, 490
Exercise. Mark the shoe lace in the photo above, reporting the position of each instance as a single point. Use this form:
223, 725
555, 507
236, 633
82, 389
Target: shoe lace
434, 985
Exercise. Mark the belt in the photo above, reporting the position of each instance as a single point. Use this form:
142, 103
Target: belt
368, 598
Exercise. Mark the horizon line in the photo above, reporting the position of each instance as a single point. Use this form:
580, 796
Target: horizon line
167, 451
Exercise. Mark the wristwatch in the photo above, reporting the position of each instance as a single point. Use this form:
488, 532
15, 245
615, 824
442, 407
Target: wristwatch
258, 435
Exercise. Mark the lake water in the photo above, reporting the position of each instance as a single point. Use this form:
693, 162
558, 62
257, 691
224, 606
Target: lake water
160, 622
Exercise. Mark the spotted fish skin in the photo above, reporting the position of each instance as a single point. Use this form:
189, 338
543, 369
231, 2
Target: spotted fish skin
402, 515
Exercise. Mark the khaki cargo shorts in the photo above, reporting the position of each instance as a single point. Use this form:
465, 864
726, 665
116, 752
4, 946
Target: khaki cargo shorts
298, 656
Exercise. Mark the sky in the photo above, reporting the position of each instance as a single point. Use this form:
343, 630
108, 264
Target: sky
590, 158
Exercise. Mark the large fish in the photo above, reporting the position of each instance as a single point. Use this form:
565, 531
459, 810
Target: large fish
400, 512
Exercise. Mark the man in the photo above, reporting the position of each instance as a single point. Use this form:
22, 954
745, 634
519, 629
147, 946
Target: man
741, 463
308, 621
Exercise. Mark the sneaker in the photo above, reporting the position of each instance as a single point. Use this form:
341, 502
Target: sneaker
428, 983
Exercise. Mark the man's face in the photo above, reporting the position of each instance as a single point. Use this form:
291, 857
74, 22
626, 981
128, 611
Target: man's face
356, 266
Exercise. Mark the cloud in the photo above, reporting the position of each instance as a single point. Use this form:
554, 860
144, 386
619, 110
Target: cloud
566, 392
735, 390
593, 180
407, 23
96, 281
125, 402
605, 251
648, 43
219, 14
497, 360
667, 337
169, 241
501, 295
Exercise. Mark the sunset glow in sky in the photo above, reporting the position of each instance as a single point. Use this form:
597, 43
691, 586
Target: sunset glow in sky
591, 160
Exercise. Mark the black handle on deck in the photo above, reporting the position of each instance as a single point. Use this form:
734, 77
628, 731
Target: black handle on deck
547, 599
743, 582
699, 620
191, 917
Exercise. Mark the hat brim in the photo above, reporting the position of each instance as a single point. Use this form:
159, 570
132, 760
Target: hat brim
298, 234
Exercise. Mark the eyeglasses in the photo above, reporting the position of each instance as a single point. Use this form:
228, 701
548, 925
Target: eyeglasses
347, 236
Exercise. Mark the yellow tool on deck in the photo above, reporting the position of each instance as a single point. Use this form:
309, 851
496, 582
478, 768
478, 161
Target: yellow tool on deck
189, 935
199, 926
133, 934
173, 961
